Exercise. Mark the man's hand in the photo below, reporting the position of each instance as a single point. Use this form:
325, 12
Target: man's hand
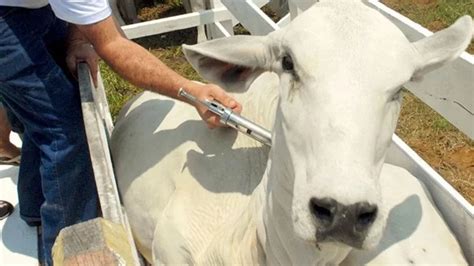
211, 92
82, 51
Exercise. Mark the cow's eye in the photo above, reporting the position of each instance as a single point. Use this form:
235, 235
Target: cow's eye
287, 63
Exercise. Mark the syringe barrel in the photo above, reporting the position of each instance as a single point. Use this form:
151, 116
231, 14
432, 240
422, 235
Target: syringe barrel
248, 128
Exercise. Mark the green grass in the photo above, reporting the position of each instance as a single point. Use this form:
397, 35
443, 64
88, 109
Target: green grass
117, 89
434, 14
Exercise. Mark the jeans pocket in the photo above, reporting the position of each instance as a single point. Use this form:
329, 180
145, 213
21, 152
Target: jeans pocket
6, 10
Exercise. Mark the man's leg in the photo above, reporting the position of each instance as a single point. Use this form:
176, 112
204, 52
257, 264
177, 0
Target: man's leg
48, 105
8, 151
30, 191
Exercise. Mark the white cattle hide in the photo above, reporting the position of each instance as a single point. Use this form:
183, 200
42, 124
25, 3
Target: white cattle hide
330, 93
416, 233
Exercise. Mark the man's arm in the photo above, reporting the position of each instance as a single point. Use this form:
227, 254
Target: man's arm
130, 60
79, 49
141, 68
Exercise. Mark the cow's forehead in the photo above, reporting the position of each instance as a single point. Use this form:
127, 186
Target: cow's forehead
347, 34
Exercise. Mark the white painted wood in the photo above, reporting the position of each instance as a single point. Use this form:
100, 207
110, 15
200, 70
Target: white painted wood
98, 125
103, 106
215, 31
456, 211
296, 7
294, 11
448, 90
280, 7
251, 17
284, 21
180, 22
218, 30
99, 151
18, 241
260, 3
158, 26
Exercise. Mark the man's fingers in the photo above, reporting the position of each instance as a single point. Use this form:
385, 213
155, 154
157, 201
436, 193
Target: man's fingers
226, 99
211, 119
236, 107
71, 65
212, 92
214, 121
222, 97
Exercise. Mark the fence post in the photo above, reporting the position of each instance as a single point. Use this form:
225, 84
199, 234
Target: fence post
219, 29
298, 6
98, 241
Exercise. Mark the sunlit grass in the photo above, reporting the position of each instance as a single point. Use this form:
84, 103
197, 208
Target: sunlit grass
434, 14
444, 147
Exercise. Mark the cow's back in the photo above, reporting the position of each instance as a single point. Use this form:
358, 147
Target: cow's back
180, 178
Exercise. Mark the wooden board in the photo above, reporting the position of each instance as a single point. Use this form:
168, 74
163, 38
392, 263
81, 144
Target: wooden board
251, 16
95, 242
179, 22
98, 125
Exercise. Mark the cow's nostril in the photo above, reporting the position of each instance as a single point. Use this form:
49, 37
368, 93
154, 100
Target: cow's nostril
323, 209
322, 213
366, 216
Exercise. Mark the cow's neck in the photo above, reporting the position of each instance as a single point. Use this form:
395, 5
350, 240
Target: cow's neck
264, 232
237, 242
275, 231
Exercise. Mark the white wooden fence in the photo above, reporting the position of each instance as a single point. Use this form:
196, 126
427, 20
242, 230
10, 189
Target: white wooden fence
450, 91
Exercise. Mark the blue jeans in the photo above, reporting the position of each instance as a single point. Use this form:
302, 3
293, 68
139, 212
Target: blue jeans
55, 186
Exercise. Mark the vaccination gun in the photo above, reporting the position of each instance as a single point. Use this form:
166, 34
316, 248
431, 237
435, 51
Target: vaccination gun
229, 118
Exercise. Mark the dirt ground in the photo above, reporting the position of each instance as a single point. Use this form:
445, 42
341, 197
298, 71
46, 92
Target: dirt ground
441, 145
446, 149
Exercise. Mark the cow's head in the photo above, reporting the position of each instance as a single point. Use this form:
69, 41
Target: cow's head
341, 66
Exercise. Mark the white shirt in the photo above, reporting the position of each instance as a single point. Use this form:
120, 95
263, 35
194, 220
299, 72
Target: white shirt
81, 12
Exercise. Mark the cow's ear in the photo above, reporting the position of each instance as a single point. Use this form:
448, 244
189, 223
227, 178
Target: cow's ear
443, 46
232, 63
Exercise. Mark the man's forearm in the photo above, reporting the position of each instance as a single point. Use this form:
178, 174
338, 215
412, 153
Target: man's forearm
132, 61
138, 66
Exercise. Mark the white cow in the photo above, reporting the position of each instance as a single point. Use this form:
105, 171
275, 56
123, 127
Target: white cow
328, 86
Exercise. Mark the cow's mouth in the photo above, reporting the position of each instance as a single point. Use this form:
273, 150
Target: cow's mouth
346, 240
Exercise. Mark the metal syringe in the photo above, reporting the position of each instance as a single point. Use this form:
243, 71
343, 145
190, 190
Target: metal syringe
229, 118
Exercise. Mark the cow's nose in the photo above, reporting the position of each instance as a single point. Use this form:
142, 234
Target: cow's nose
323, 210
342, 223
